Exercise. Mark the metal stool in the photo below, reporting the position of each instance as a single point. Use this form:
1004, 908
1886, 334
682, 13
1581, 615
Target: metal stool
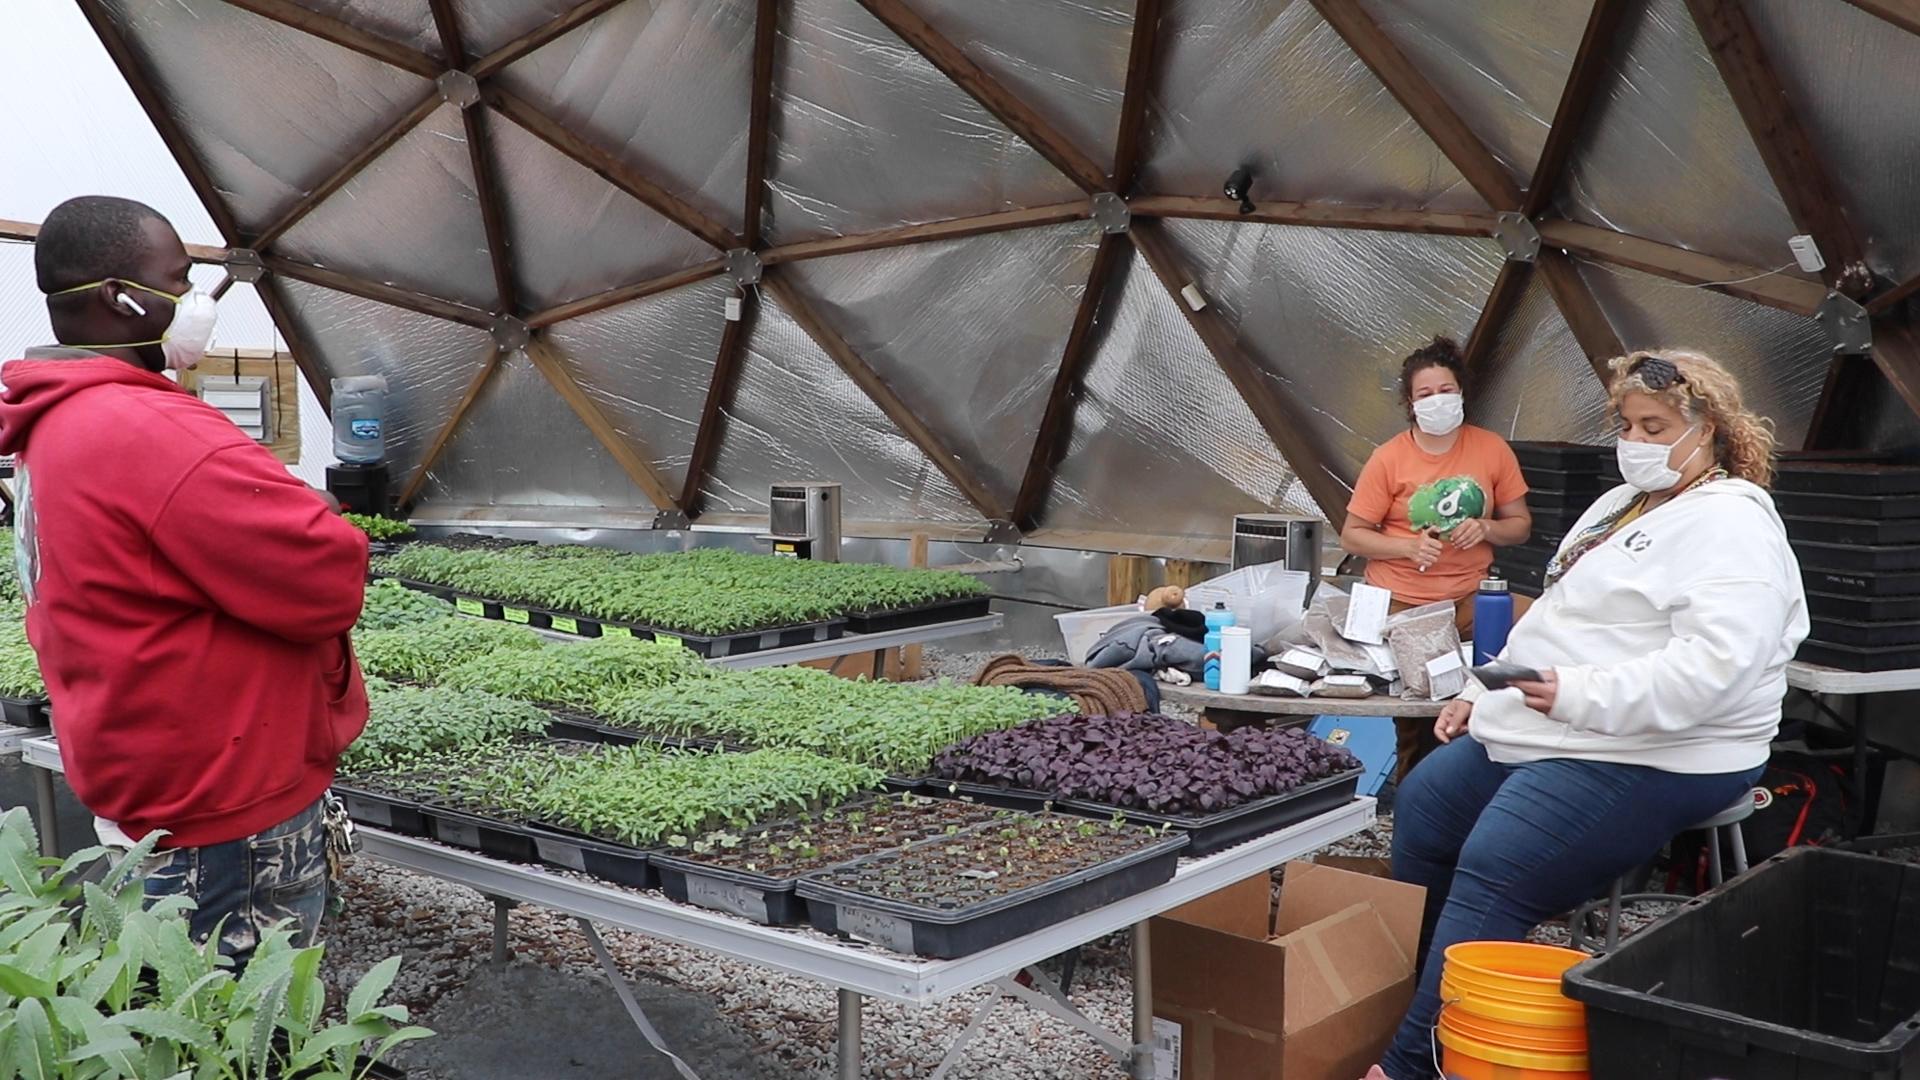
1728, 819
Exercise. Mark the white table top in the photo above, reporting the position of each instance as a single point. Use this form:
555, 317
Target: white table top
1817, 679
1195, 697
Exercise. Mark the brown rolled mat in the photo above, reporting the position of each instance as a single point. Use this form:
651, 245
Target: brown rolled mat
1097, 691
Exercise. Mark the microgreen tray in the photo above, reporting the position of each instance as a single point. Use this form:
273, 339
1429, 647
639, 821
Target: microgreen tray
381, 810
715, 646
1855, 658
1875, 559
1825, 504
1862, 608
1871, 635
1855, 583
1855, 531
879, 622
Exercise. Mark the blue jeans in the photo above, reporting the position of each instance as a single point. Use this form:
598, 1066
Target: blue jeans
1501, 848
251, 883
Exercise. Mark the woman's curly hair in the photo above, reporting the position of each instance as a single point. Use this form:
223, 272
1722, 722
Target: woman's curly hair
1742, 440
1441, 352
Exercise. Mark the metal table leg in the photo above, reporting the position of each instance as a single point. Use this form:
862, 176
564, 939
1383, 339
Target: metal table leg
49, 812
632, 1005
502, 951
1142, 1066
849, 1041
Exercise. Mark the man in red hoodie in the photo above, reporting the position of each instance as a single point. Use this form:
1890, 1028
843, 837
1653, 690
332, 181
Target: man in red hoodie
190, 601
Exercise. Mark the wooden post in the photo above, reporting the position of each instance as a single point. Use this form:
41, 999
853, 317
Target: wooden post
1127, 578
912, 657
1187, 573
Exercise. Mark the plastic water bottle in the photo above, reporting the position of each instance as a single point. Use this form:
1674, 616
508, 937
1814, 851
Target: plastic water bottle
359, 406
1236, 660
1492, 618
1218, 619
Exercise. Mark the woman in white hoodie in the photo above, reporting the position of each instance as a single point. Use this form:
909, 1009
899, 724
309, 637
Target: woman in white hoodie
1661, 641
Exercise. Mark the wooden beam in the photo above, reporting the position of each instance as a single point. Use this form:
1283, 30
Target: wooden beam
1283, 422
28, 232
445, 435
1804, 182
713, 413
1757, 284
985, 89
883, 395
447, 25
1056, 423
493, 218
343, 34
1129, 149
380, 291
539, 36
348, 169
1428, 109
612, 169
1508, 287
1581, 310
1836, 417
637, 468
766, 35
317, 376
1904, 14
163, 121
1591, 63
927, 232
1894, 297
1317, 215
587, 305
1896, 352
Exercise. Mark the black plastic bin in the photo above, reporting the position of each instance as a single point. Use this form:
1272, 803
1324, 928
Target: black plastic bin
1808, 968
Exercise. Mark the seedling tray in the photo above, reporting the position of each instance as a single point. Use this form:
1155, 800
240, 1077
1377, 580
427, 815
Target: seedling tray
587, 729
1848, 479
1857, 658
562, 623
1007, 798
1863, 608
722, 645
879, 622
1209, 833
1853, 531
914, 929
1874, 507
382, 811
488, 836
1872, 559
570, 850
1560, 456
1856, 584
26, 712
1869, 635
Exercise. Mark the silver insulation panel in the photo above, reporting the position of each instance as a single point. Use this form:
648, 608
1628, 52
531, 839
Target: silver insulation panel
869, 135
971, 349
486, 25
410, 218
409, 22
1270, 83
1536, 383
664, 86
270, 110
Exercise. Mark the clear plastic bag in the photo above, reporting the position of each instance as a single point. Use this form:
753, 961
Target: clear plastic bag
1418, 635
1266, 599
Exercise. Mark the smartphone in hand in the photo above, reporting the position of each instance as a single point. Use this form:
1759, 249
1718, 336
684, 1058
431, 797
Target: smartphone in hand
1499, 674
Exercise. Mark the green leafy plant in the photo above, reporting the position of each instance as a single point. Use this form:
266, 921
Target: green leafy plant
406, 724
19, 665
390, 604
425, 651
379, 528
9, 576
578, 675
95, 984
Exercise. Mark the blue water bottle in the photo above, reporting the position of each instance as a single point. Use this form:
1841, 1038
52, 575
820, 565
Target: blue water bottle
1492, 618
1217, 620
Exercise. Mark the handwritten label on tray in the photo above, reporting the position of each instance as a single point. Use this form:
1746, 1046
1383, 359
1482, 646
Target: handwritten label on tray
887, 931
560, 853
468, 606
721, 896
457, 833
515, 615
371, 813
566, 625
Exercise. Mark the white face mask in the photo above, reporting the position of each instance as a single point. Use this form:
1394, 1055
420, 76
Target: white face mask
188, 333
1644, 464
1440, 414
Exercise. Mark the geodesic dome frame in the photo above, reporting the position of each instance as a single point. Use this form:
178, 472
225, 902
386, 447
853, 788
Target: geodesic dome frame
984, 272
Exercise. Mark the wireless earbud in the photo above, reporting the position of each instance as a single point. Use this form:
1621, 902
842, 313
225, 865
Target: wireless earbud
129, 301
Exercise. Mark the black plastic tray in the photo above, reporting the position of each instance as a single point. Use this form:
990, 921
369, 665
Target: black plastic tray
766, 900
587, 729
563, 623
1872, 635
1217, 832
1561, 456
751, 641
1853, 531
1871, 559
1857, 584
1863, 608
878, 622
571, 850
1874, 507
499, 839
914, 930
1848, 479
26, 712
1858, 658
382, 811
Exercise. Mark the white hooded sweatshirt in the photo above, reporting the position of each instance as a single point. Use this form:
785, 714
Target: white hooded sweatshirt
1671, 640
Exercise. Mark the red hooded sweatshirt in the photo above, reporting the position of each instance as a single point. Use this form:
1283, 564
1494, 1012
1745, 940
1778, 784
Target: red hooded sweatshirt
189, 600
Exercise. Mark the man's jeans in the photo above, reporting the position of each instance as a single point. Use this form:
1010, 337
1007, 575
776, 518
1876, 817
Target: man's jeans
251, 883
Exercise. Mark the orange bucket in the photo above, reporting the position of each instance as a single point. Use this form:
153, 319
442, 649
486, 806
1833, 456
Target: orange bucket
1505, 1017
1463, 1057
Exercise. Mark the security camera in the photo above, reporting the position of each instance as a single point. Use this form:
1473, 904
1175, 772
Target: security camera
1238, 185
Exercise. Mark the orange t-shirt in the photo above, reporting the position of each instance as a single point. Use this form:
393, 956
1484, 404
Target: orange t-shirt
1402, 483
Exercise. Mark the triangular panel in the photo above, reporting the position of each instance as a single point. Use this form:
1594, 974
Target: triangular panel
968, 332
663, 86
1535, 382
271, 111
1853, 81
520, 445
797, 416
572, 233
410, 218
429, 363
869, 135
409, 22
486, 25
1067, 60
1501, 64
1665, 154
1162, 443
1274, 86
1330, 313
1780, 358
647, 364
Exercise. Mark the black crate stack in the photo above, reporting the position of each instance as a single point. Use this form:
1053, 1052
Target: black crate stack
1563, 479
1855, 527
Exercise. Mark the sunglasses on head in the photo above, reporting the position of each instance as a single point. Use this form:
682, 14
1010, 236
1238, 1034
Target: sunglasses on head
1656, 373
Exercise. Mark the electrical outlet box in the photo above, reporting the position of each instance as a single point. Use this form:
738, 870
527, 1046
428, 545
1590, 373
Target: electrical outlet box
733, 309
1193, 296
1807, 254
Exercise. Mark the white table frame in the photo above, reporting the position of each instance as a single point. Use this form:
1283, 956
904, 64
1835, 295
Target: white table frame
1820, 682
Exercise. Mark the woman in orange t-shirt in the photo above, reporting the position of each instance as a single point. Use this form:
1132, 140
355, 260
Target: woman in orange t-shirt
1434, 501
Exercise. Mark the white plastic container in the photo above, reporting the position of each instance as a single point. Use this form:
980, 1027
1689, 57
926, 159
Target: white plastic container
1236, 659
1266, 599
1080, 629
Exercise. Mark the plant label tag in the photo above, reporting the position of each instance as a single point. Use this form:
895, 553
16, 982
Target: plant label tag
516, 615
886, 931
720, 896
1367, 614
1166, 1049
561, 853
1447, 674
370, 813
469, 606
616, 631
566, 625
457, 833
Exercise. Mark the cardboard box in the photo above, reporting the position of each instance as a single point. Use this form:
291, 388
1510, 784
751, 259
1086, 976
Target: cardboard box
1312, 991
